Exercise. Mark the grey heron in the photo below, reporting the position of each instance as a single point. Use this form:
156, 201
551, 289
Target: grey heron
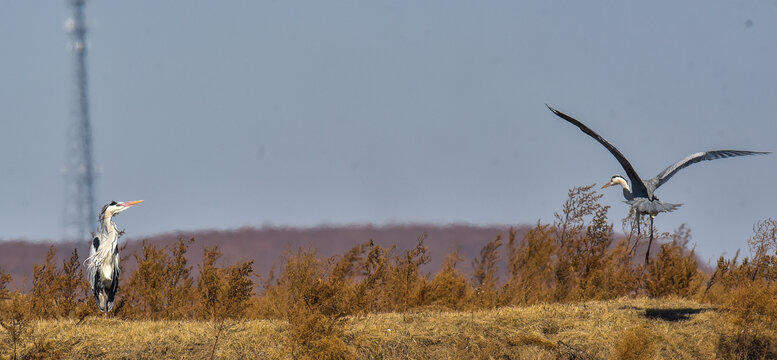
641, 195
103, 261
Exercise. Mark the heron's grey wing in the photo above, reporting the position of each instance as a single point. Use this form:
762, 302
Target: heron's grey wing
111, 293
90, 267
637, 186
665, 175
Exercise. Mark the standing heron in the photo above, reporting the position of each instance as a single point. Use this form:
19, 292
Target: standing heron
641, 195
103, 261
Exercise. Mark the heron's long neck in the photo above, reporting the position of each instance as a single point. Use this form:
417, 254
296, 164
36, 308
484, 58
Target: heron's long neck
627, 193
626, 190
110, 228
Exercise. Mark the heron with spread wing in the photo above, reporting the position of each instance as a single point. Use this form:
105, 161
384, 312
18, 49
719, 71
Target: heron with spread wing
103, 261
641, 194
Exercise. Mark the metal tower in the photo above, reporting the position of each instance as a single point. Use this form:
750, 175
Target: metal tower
79, 169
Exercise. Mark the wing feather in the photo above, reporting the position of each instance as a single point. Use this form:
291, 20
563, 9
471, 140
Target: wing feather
665, 175
638, 188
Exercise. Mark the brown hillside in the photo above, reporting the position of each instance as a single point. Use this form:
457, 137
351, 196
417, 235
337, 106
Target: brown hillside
266, 245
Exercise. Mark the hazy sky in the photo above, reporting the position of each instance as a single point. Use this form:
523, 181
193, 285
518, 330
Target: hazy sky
338, 112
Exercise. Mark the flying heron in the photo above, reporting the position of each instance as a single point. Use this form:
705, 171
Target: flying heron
103, 261
641, 195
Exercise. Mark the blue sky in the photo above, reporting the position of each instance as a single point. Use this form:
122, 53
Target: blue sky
307, 113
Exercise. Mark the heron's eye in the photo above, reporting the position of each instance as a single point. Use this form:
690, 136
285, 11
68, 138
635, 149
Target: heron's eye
113, 203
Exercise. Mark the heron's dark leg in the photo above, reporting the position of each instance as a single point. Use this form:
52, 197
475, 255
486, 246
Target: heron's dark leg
647, 252
637, 215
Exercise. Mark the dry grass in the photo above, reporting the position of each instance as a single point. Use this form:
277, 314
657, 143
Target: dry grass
619, 329
549, 331
375, 303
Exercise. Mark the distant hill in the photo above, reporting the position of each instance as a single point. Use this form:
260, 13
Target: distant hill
266, 245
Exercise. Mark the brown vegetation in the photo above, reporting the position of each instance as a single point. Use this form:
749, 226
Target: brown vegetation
590, 330
374, 301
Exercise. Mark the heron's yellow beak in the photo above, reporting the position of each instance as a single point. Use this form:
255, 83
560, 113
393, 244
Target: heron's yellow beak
607, 184
130, 203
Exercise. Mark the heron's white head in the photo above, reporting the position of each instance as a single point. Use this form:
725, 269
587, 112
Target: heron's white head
115, 207
617, 180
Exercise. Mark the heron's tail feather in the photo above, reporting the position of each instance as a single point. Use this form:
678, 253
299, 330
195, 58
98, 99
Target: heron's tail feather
99, 291
105, 297
104, 292
109, 297
645, 206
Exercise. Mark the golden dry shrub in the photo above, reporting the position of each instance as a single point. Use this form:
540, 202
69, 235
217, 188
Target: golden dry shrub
5, 279
485, 279
675, 271
16, 322
592, 260
530, 267
619, 275
331, 348
406, 287
314, 295
178, 291
59, 292
369, 292
45, 281
572, 260
239, 288
161, 287
672, 273
142, 298
75, 292
580, 244
449, 288
747, 295
751, 313
209, 283
636, 343
224, 293
729, 274
763, 247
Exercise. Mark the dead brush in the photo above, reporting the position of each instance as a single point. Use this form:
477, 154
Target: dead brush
751, 329
636, 343
406, 286
449, 288
224, 294
161, 287
17, 323
580, 244
763, 247
314, 298
747, 295
5, 279
220, 329
59, 292
530, 267
485, 279
675, 271
372, 279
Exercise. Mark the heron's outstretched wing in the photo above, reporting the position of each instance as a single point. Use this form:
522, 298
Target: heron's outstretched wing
637, 186
665, 175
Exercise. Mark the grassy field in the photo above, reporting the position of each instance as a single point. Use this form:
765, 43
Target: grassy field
623, 328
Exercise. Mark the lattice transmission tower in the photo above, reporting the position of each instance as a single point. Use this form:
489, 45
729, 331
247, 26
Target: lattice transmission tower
79, 213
